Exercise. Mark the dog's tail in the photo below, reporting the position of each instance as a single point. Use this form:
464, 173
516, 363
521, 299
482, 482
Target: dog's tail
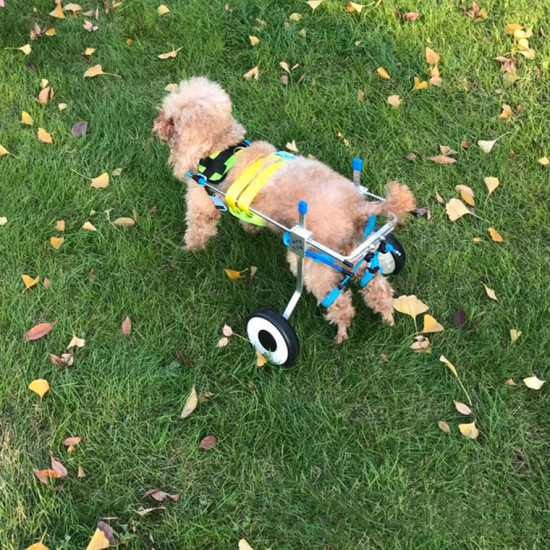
399, 201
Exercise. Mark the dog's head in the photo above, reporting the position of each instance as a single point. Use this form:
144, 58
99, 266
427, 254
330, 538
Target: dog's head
196, 120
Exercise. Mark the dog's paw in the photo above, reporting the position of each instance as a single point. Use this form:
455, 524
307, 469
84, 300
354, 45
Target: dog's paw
341, 337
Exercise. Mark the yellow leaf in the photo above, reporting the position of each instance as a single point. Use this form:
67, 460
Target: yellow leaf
491, 183
129, 41
410, 305
302, 32
253, 73
435, 79
514, 335
510, 382
254, 40
533, 383
506, 112
469, 430
3, 151
171, 87
62, 106
431, 325
99, 541
124, 222
232, 274
352, 6
101, 181
490, 292
467, 194
73, 7
361, 95
314, 4
456, 209
291, 146
190, 403
40, 386
96, 70
26, 49
432, 57
58, 12
495, 235
60, 225
295, 16
477, 239
26, 118
29, 282
168, 55
43, 136
57, 242
50, 32
449, 365
285, 66
260, 359
163, 10
394, 101
243, 545
37, 546
486, 145
89, 226
3, 220
544, 161
511, 28
419, 85
528, 54
382, 73
89, 51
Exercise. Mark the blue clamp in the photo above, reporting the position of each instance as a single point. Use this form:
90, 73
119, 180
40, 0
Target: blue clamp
357, 164
302, 207
371, 222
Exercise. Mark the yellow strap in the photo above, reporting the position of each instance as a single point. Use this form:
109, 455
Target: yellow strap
240, 184
256, 185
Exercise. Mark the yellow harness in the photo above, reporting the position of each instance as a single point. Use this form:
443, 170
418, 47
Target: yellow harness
244, 189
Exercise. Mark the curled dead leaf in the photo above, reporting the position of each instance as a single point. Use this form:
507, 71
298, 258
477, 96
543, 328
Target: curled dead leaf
444, 427
208, 442
190, 403
469, 430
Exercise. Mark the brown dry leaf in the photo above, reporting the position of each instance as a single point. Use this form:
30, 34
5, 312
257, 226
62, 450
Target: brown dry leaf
435, 79
431, 325
314, 4
394, 101
533, 383
510, 382
190, 403
96, 70
209, 442
444, 427
58, 12
124, 222
410, 305
58, 467
353, 7
44, 136
382, 73
205, 396
253, 73
76, 342
432, 57
449, 365
75, 8
40, 386
89, 26
490, 292
26, 118
469, 430
232, 274
260, 359
455, 209
60, 225
447, 151
419, 84
101, 181
442, 159
126, 326
491, 183
515, 335
66, 359
495, 235
168, 55
44, 476
506, 112
467, 194
163, 10
71, 441
89, 226
485, 145
462, 408
57, 242
254, 40
29, 282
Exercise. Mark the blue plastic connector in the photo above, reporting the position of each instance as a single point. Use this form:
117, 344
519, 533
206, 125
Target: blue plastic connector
357, 164
302, 207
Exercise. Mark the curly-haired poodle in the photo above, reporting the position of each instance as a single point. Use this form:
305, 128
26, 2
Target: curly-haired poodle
196, 121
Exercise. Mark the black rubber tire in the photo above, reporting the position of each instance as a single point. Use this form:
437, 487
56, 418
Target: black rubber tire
398, 259
267, 331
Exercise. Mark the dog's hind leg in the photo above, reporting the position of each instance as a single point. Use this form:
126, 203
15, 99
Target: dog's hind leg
320, 279
378, 295
202, 217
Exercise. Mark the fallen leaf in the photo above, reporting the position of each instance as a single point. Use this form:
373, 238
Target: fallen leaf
44, 476
163, 10
44, 136
515, 335
466, 194
79, 128
254, 40
209, 442
76, 342
411, 15
314, 4
302, 32
444, 427
506, 112
89, 51
98, 541
253, 73
89, 26
66, 359
410, 305
421, 344
168, 55
40, 386
533, 383
253, 271
124, 222
495, 235
544, 161
486, 145
511, 28
58, 12
462, 408
222, 342
81, 472
44, 83
490, 292
382, 73
260, 359
464, 144
449, 365
62, 106
171, 87
295, 16
46, 283
26, 118
491, 183
57, 242
243, 545
96, 70
126, 326
71, 441
205, 396
432, 57
394, 101
3, 220
58, 467
227, 331
145, 511
455, 209
101, 181
3, 151
435, 79
88, 226
38, 331
419, 84
29, 282
353, 7
75, 8
190, 403
442, 159
510, 382
411, 157
285, 66
60, 225
469, 430
431, 325
459, 319
38, 546
232, 274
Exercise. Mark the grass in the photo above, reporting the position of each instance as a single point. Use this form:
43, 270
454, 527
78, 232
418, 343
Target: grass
343, 451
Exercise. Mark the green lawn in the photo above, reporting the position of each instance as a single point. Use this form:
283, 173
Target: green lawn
343, 451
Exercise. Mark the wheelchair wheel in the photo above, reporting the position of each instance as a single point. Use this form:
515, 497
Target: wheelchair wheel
273, 336
391, 262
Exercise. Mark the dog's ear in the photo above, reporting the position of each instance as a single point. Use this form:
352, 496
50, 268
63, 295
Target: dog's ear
163, 127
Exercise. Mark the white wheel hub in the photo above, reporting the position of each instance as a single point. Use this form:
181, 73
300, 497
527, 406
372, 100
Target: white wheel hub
267, 339
387, 263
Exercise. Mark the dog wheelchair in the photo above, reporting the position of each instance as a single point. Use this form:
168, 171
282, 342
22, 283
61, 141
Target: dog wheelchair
269, 331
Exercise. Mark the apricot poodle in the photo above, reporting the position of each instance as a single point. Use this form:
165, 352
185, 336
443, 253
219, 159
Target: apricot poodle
196, 121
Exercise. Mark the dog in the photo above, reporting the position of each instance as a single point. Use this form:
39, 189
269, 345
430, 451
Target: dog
196, 121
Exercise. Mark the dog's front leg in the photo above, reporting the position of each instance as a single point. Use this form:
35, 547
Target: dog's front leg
202, 217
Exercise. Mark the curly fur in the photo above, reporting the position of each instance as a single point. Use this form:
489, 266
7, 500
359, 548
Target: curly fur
196, 120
